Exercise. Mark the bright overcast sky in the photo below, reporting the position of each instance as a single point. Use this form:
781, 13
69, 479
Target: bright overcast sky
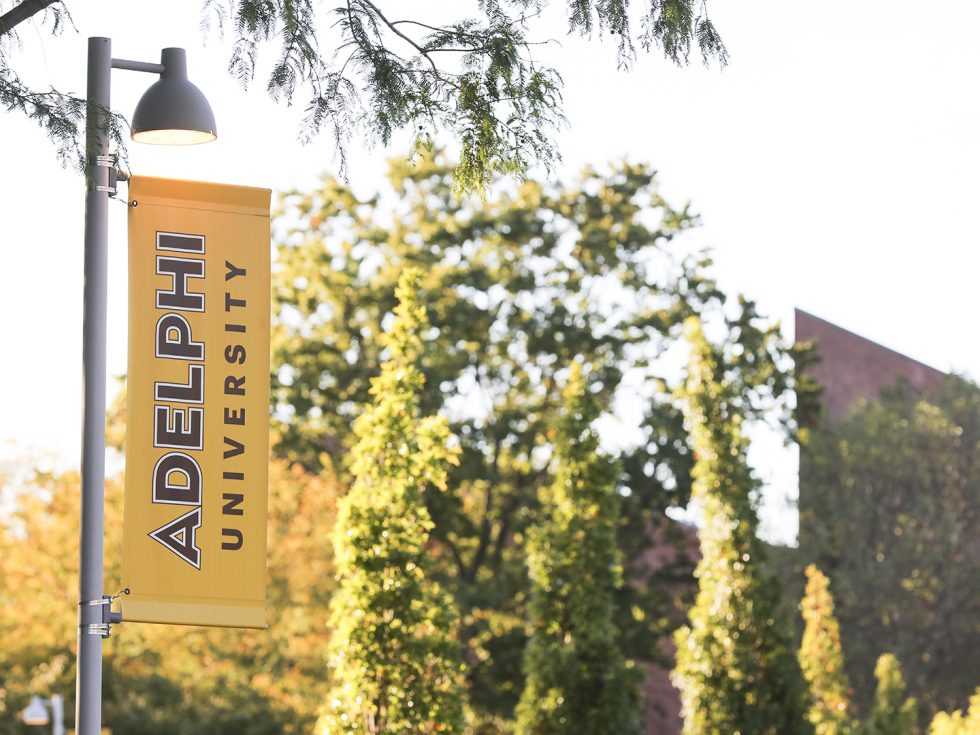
834, 163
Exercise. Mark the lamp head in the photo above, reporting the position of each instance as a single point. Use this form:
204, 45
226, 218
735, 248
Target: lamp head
173, 111
35, 713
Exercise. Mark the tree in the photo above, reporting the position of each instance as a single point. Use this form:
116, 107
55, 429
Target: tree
577, 680
594, 269
891, 714
38, 614
957, 723
889, 507
394, 654
364, 69
161, 679
735, 670
821, 659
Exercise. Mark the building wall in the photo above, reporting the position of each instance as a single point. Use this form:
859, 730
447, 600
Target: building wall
851, 367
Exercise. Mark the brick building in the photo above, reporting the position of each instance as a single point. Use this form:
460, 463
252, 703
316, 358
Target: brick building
851, 367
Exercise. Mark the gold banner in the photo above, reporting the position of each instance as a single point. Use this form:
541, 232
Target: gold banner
197, 442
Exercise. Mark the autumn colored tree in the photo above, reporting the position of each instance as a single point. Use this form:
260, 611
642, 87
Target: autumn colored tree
394, 655
892, 713
159, 678
38, 588
577, 680
735, 668
821, 659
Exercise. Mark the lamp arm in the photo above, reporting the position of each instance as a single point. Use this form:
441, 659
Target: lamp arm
146, 66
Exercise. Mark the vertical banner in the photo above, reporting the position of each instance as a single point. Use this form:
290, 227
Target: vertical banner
197, 440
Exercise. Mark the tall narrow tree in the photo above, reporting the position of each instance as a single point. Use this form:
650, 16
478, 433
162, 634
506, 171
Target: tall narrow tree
892, 713
821, 658
577, 679
394, 656
735, 669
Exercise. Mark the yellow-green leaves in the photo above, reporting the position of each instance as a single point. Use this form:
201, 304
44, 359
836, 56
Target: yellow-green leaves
821, 659
735, 671
577, 681
394, 656
892, 713
958, 723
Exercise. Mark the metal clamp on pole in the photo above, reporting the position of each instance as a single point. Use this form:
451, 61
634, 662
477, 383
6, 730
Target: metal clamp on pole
109, 617
99, 629
107, 162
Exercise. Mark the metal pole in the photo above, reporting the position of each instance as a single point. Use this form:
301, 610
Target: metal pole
57, 715
88, 682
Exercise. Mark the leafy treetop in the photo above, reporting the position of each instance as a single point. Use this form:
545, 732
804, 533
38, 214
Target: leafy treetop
361, 67
577, 680
821, 658
735, 670
394, 654
892, 713
594, 269
958, 723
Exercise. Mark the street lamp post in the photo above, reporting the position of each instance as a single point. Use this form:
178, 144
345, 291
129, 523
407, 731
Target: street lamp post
36, 713
172, 111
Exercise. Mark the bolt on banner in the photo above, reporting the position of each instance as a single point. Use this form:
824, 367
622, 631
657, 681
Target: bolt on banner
197, 438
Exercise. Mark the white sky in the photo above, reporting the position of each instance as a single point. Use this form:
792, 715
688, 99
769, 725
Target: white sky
834, 163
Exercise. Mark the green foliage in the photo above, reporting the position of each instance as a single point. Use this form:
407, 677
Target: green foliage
516, 290
821, 659
161, 679
475, 77
577, 680
362, 70
735, 670
394, 655
957, 723
61, 116
889, 507
891, 714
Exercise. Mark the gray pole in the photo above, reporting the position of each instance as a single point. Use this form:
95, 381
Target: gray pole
57, 715
88, 682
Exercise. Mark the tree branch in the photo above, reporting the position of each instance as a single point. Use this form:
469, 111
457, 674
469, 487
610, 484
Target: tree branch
486, 526
19, 13
401, 35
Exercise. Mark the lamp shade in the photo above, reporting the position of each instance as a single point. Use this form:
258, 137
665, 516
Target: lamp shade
173, 111
35, 713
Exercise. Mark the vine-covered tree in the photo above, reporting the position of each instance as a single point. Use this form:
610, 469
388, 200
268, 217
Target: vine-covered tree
596, 269
822, 660
735, 669
891, 713
576, 678
359, 66
394, 655
889, 508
